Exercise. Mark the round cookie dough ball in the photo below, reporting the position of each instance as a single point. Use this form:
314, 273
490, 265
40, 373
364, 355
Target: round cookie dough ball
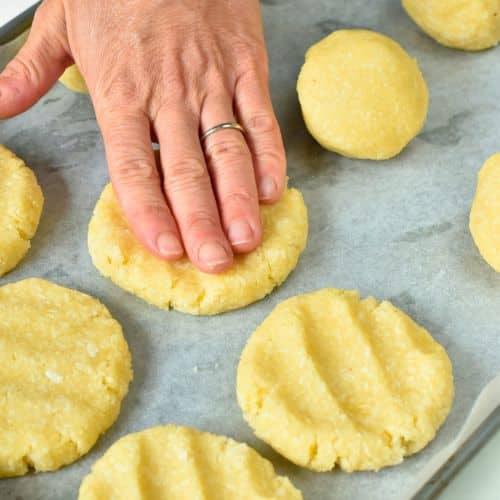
73, 80
329, 379
362, 95
64, 370
21, 203
461, 24
180, 285
485, 212
179, 463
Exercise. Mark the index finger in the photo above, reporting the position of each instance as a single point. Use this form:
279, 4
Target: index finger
136, 181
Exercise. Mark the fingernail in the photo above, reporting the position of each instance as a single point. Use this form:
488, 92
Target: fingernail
169, 245
213, 254
267, 188
240, 232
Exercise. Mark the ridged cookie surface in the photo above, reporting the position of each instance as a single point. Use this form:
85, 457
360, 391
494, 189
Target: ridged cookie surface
329, 379
180, 463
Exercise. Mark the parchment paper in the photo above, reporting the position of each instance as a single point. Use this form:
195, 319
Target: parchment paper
395, 229
486, 403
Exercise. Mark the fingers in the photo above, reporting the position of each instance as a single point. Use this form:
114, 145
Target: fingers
255, 112
136, 180
230, 164
189, 191
38, 64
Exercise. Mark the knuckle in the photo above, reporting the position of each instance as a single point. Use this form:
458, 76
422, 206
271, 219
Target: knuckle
252, 51
23, 68
117, 127
273, 158
184, 174
239, 198
197, 218
175, 84
218, 84
262, 123
254, 65
112, 91
133, 171
228, 151
178, 83
149, 210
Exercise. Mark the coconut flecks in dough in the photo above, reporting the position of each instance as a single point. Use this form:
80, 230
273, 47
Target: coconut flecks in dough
362, 95
328, 379
57, 396
180, 463
21, 203
179, 285
462, 24
485, 213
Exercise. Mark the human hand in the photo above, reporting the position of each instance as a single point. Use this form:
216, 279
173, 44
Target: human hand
168, 69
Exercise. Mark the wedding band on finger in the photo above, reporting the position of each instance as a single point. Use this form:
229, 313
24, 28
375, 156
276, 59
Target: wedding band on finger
222, 126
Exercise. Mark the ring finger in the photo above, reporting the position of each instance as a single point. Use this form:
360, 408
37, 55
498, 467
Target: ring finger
233, 177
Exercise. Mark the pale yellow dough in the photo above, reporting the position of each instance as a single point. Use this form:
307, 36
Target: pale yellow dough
64, 370
329, 379
73, 80
21, 203
485, 212
179, 463
362, 95
461, 24
179, 285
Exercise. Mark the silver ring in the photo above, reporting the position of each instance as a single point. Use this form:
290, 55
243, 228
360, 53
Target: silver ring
222, 126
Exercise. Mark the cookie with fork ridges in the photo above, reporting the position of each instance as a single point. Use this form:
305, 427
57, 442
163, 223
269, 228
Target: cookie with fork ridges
179, 463
329, 379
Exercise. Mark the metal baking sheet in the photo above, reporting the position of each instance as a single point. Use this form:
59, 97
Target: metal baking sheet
396, 229
14, 20
458, 460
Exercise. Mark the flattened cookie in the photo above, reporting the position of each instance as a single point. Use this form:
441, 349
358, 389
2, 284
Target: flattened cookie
179, 285
362, 95
64, 370
21, 203
179, 463
329, 379
73, 80
461, 24
485, 212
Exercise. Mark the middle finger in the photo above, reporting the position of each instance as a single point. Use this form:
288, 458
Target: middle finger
189, 191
